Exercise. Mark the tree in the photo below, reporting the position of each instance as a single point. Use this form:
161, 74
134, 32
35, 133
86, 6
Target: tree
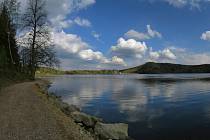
38, 48
8, 45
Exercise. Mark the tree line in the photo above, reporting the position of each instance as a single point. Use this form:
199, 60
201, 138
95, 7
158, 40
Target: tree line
25, 38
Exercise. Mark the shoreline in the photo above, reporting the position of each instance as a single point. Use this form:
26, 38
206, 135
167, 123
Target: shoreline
91, 125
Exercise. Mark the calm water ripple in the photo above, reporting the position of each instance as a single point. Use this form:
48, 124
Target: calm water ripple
156, 107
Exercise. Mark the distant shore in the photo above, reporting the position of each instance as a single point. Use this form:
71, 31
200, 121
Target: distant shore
147, 68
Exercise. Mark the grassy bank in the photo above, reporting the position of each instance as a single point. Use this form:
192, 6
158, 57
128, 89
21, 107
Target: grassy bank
50, 72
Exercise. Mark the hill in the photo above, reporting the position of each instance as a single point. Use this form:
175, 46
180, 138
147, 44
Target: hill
160, 68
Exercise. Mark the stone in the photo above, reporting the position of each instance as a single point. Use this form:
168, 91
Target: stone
66, 108
118, 131
86, 120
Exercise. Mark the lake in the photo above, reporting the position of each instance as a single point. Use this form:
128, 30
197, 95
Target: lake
156, 107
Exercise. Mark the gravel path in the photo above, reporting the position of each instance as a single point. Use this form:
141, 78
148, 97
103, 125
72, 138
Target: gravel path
26, 115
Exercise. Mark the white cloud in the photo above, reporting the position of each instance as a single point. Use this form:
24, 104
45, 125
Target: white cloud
165, 54
95, 35
181, 55
192, 58
153, 33
118, 60
59, 10
154, 55
76, 53
177, 3
206, 36
195, 59
136, 35
82, 22
69, 42
129, 48
72, 47
143, 36
184, 3
81, 4
90, 55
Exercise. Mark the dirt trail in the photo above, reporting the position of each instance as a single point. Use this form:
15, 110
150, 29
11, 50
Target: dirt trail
25, 115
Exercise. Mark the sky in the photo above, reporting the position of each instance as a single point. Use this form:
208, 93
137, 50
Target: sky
117, 34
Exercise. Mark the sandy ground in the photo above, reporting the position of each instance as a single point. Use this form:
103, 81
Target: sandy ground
25, 114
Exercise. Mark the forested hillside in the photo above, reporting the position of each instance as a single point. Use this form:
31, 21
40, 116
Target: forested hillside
160, 68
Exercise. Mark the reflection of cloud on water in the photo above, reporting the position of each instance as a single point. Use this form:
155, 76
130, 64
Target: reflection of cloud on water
148, 102
140, 101
81, 92
136, 103
86, 93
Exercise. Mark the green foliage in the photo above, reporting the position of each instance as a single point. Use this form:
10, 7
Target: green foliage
92, 72
49, 71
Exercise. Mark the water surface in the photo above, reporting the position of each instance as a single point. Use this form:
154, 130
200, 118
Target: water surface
156, 107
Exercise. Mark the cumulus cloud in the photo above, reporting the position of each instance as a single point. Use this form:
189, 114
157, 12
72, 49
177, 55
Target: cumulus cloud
154, 55
143, 36
76, 53
90, 55
59, 10
72, 47
69, 42
129, 48
206, 36
179, 55
118, 60
165, 54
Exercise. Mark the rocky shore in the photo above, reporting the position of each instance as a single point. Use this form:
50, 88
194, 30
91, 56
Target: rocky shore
90, 124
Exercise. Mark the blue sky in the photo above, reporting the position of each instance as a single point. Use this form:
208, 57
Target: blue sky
115, 34
179, 26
